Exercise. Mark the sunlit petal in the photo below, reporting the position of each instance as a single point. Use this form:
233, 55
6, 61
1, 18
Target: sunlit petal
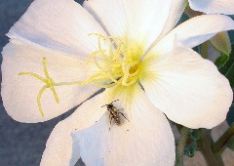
144, 139
62, 148
139, 20
59, 24
189, 89
195, 31
213, 6
24, 80
176, 11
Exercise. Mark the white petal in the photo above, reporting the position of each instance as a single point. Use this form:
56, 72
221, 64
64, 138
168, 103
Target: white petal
195, 31
189, 89
176, 11
58, 24
213, 6
146, 139
20, 92
62, 148
139, 20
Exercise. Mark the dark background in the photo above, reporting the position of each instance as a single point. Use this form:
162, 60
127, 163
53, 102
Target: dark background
20, 144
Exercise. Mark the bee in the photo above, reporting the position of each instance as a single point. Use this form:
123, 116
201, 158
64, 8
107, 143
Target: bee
115, 114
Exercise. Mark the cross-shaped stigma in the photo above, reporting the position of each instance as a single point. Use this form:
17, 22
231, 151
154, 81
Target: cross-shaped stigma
48, 84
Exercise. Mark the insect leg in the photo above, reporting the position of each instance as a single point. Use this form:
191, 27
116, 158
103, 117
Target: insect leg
104, 105
123, 115
111, 118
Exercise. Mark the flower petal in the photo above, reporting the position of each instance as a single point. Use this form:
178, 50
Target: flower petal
213, 6
141, 21
206, 26
20, 91
62, 147
189, 89
146, 139
176, 11
59, 24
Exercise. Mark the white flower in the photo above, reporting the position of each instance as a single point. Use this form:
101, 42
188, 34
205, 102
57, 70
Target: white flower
61, 53
213, 6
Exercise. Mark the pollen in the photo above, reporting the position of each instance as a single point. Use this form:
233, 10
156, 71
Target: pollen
118, 62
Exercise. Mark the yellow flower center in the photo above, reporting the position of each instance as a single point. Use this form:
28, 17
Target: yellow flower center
117, 62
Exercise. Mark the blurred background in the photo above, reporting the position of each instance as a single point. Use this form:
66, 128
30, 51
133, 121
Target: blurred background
23, 144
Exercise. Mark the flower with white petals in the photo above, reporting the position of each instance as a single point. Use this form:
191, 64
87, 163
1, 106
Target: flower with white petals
213, 6
60, 53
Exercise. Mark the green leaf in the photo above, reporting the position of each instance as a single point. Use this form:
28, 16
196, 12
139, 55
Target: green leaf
222, 43
228, 68
222, 60
203, 49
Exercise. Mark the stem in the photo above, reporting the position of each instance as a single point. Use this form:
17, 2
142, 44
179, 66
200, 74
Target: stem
206, 142
181, 145
219, 145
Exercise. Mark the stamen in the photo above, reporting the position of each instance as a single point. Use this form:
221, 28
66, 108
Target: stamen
120, 64
117, 65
